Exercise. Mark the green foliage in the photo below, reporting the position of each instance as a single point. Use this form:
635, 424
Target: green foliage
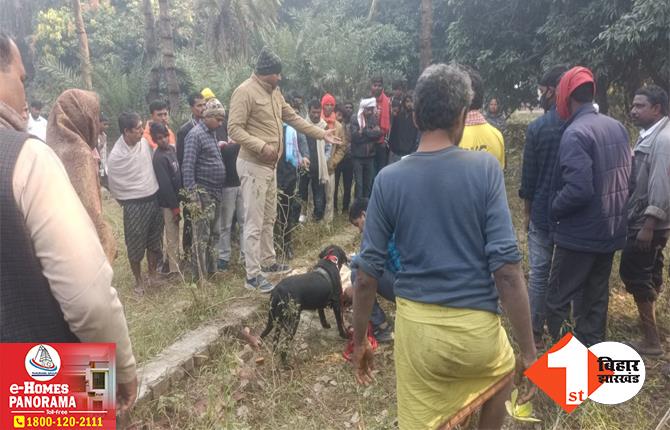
625, 42
499, 38
55, 37
198, 71
233, 26
118, 91
642, 34
325, 49
329, 45
116, 35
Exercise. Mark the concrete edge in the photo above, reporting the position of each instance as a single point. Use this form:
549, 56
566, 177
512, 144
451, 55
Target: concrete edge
189, 352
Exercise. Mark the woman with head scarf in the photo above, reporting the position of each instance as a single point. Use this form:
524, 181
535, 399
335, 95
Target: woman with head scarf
72, 132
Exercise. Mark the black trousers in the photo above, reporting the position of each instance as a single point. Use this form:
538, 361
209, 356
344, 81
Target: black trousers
311, 180
583, 276
363, 176
187, 236
381, 157
640, 271
345, 170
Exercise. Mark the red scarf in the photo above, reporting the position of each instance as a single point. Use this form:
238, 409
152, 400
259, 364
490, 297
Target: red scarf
572, 79
330, 120
384, 108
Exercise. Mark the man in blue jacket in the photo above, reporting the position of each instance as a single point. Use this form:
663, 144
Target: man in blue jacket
587, 209
540, 153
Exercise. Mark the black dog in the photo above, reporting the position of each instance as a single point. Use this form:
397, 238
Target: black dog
315, 290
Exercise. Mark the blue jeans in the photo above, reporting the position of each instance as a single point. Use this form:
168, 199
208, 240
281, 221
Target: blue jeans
384, 289
540, 251
363, 174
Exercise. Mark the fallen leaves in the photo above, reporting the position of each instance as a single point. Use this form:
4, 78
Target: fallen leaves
520, 412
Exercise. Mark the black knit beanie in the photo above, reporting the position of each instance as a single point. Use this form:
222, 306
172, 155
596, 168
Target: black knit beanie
268, 63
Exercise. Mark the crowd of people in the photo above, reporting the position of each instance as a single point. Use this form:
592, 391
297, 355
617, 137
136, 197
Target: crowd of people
429, 200
442, 216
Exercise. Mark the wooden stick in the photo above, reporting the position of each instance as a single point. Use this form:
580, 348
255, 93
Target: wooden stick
664, 420
477, 403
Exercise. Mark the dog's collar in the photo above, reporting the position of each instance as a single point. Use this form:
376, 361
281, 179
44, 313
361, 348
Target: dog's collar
333, 259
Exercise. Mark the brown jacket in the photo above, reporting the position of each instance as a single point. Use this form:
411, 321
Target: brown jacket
257, 113
339, 151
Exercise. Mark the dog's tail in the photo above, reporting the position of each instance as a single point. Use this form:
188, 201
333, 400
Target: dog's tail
271, 316
269, 326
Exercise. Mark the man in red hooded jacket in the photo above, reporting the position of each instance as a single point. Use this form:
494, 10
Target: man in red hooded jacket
587, 213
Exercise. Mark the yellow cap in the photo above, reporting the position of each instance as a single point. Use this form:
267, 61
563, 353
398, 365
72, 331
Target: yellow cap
207, 94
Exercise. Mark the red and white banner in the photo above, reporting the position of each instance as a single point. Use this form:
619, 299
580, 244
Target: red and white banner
58, 386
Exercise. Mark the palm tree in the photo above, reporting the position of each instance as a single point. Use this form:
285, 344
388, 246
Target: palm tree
150, 58
425, 36
167, 50
233, 22
84, 56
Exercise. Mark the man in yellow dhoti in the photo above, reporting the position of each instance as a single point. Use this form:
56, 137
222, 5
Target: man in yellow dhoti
458, 254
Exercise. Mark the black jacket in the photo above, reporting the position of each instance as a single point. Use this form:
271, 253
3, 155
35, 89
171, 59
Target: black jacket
404, 137
168, 175
363, 141
229, 153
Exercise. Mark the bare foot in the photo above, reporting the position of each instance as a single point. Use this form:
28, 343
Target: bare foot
139, 288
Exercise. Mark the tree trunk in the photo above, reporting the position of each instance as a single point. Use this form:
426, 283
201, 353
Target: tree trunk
84, 57
151, 51
426, 33
373, 9
167, 48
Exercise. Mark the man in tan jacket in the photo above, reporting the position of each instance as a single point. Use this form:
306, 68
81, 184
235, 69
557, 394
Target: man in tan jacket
257, 112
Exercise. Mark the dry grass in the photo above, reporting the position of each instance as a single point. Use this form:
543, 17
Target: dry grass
318, 392
158, 318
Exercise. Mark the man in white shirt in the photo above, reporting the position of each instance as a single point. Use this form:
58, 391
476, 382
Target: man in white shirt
37, 124
55, 281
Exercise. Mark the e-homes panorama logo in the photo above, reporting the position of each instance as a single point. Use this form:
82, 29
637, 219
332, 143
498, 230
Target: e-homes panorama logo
607, 373
42, 362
